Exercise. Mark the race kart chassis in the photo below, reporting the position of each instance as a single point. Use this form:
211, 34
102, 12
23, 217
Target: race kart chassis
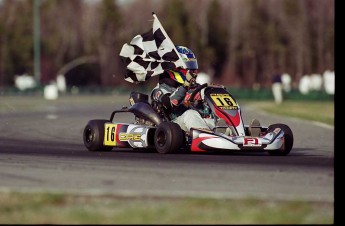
152, 130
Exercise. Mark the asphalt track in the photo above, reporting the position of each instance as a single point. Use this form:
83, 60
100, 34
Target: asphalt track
43, 150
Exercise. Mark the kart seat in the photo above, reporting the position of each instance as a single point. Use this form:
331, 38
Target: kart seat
136, 97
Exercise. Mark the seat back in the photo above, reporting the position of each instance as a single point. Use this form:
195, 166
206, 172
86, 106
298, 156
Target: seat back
136, 97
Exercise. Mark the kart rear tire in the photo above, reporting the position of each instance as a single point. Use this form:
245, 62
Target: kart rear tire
288, 137
169, 137
93, 135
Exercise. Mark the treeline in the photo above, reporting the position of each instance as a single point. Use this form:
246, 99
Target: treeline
239, 42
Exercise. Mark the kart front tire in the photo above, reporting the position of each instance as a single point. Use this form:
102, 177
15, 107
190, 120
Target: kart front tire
169, 137
288, 140
93, 135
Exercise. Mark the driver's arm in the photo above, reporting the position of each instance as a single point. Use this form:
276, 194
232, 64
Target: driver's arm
177, 97
169, 100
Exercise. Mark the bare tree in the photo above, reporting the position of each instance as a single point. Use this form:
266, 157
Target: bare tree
244, 40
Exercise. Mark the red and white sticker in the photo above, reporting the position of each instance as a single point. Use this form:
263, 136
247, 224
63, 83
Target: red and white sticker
251, 142
174, 102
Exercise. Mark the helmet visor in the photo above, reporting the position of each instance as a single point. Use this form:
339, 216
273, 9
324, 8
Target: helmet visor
192, 64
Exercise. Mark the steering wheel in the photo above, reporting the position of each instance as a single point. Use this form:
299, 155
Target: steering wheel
190, 101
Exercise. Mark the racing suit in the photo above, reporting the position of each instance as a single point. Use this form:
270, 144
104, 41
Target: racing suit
172, 96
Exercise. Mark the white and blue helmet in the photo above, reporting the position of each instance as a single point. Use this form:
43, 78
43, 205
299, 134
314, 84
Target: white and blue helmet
188, 57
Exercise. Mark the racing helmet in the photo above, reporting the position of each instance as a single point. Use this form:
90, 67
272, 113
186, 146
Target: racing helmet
188, 57
179, 74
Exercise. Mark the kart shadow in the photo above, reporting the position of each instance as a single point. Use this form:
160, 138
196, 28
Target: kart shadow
297, 157
67, 148
294, 152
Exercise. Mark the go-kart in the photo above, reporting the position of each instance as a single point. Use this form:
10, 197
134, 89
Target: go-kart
152, 129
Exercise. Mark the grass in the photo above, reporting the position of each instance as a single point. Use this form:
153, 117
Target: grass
45, 208
319, 111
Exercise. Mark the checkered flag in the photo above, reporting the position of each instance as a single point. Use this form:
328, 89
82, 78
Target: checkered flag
149, 54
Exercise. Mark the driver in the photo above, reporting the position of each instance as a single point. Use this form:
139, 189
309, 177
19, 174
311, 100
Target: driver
174, 89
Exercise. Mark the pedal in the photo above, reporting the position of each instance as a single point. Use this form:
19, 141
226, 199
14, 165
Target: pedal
221, 126
254, 128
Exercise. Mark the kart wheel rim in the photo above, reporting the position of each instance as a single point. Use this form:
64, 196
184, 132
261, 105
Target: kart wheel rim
88, 135
161, 139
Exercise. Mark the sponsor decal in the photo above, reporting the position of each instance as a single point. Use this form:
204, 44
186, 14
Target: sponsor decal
135, 136
157, 95
251, 142
187, 96
174, 102
131, 101
129, 136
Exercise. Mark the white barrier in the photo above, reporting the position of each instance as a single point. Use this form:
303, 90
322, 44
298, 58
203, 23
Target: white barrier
51, 92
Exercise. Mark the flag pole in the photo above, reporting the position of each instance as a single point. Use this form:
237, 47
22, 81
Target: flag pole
167, 36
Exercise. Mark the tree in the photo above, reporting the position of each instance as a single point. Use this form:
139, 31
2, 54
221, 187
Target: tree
217, 38
176, 21
110, 22
61, 35
16, 40
241, 40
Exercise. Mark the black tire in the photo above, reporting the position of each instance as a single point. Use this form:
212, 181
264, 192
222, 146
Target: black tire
288, 137
93, 135
169, 137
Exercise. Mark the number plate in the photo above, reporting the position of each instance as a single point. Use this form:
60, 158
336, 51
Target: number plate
224, 101
109, 134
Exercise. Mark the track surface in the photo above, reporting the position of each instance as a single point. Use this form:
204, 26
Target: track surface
44, 150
